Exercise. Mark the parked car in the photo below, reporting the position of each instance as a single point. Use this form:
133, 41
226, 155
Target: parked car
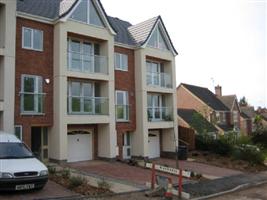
19, 169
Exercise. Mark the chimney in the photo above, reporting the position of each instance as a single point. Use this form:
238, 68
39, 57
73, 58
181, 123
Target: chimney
218, 91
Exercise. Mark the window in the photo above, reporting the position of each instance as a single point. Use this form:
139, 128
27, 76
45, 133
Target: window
157, 40
153, 73
127, 145
154, 104
121, 61
81, 97
86, 12
32, 39
18, 131
32, 97
122, 106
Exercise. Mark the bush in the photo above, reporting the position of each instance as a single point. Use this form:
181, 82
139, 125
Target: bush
260, 137
76, 181
51, 170
65, 173
251, 153
222, 147
204, 142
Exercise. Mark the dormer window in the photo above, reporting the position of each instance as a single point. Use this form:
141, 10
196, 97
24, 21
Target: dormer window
157, 40
86, 12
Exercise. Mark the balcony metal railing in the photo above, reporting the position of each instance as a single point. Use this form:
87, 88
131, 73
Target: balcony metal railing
32, 103
87, 63
122, 112
88, 105
159, 114
159, 79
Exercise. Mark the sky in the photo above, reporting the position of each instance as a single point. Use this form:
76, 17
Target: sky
220, 42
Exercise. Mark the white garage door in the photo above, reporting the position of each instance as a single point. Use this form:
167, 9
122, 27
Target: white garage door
153, 144
80, 146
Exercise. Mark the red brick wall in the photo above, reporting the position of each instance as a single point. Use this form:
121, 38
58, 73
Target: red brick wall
186, 100
34, 63
125, 80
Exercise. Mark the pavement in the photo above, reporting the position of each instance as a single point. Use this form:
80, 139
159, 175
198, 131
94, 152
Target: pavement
211, 188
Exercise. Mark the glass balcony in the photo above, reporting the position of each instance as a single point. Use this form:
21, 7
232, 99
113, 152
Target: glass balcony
88, 105
122, 112
86, 63
32, 103
159, 114
159, 79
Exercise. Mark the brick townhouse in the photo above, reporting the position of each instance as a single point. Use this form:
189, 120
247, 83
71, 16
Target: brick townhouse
90, 86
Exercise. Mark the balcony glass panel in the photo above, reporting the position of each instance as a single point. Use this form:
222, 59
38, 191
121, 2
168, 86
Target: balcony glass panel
88, 105
159, 114
87, 63
159, 79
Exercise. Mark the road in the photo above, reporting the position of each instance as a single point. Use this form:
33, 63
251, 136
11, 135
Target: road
255, 193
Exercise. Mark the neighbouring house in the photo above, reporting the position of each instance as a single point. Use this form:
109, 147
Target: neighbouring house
231, 102
245, 124
93, 86
7, 64
189, 119
250, 113
207, 104
264, 119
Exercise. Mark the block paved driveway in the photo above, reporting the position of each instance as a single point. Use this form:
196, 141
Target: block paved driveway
140, 176
51, 190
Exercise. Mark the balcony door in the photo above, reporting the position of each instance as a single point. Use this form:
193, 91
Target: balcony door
80, 56
155, 107
153, 73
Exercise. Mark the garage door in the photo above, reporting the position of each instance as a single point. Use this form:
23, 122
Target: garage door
153, 144
80, 146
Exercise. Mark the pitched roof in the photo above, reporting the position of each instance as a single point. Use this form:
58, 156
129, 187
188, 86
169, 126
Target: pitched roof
188, 114
249, 111
43, 8
228, 100
206, 96
242, 114
127, 33
121, 27
141, 31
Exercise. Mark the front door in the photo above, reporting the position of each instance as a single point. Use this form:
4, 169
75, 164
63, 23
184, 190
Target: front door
39, 142
153, 144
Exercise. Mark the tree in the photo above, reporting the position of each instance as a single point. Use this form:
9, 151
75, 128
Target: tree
243, 101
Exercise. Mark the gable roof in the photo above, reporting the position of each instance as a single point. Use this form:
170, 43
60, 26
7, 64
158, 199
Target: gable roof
141, 32
242, 114
206, 96
187, 116
249, 111
229, 101
121, 27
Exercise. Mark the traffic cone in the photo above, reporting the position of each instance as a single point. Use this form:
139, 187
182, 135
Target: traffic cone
168, 193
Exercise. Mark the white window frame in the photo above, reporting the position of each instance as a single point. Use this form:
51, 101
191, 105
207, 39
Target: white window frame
20, 129
81, 98
157, 29
121, 68
126, 146
32, 39
81, 53
152, 74
88, 21
36, 92
153, 107
125, 103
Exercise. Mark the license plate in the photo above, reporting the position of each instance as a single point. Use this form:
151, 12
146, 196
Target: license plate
24, 187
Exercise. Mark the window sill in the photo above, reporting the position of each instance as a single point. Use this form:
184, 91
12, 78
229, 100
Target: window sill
123, 70
123, 121
31, 49
31, 114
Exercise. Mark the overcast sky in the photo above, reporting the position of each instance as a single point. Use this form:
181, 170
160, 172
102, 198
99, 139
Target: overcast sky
219, 41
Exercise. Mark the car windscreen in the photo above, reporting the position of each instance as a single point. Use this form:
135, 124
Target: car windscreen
14, 151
